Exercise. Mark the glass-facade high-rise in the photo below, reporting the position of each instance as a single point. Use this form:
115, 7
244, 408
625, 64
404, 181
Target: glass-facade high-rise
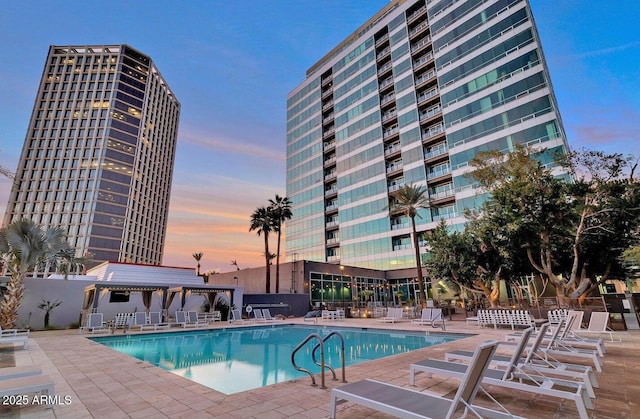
410, 98
99, 153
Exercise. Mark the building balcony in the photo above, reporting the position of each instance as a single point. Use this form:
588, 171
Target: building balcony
397, 247
386, 99
400, 226
327, 105
421, 44
330, 176
388, 115
447, 193
327, 118
329, 145
327, 93
330, 161
394, 167
432, 131
418, 29
427, 95
413, 16
331, 207
422, 61
436, 151
383, 53
390, 132
329, 132
384, 68
382, 39
426, 77
392, 149
395, 187
331, 224
438, 172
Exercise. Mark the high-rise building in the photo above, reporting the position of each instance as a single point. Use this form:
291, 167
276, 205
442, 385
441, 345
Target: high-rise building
410, 98
99, 153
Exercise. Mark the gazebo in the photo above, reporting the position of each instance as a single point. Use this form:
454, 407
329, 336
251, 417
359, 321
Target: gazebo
209, 290
93, 293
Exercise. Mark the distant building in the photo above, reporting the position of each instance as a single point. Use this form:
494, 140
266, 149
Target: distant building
99, 153
409, 98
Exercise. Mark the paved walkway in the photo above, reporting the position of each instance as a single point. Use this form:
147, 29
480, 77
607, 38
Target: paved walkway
102, 383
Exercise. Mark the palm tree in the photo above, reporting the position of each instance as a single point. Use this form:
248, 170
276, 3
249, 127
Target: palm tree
408, 199
262, 221
281, 209
48, 306
23, 246
197, 256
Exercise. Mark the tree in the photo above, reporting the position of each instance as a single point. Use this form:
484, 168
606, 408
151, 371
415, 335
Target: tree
408, 200
262, 223
561, 224
198, 256
48, 306
23, 246
280, 207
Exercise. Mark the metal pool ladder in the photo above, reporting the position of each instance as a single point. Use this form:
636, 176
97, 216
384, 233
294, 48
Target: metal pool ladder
321, 364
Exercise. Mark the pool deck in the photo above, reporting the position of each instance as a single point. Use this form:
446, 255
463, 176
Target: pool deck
103, 383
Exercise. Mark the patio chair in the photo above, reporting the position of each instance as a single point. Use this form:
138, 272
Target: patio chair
7, 373
236, 317
192, 318
15, 336
393, 315
598, 325
183, 320
139, 319
403, 402
257, 316
122, 321
431, 316
28, 385
95, 323
533, 365
266, 314
155, 322
511, 378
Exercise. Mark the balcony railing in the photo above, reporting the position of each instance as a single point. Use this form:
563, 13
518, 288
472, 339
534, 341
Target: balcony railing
327, 105
330, 160
392, 149
431, 112
424, 41
437, 150
395, 187
382, 39
397, 247
384, 68
329, 145
387, 99
386, 83
332, 223
432, 131
384, 52
417, 13
389, 115
429, 75
328, 132
330, 191
418, 28
427, 95
399, 226
331, 207
394, 167
438, 171
390, 132
330, 175
442, 194
425, 58
333, 240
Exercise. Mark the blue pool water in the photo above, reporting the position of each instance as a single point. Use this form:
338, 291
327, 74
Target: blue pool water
235, 360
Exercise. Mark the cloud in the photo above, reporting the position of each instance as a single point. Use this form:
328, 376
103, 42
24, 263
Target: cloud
606, 51
231, 145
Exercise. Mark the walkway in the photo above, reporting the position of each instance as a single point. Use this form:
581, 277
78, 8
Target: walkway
104, 384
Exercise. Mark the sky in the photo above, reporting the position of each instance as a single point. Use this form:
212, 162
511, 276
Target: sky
231, 64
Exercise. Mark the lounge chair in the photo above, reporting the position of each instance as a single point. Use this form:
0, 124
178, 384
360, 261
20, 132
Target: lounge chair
598, 326
393, 315
7, 373
95, 323
430, 316
534, 366
28, 385
511, 378
236, 317
15, 336
266, 314
192, 318
257, 316
182, 319
155, 322
123, 321
139, 319
406, 403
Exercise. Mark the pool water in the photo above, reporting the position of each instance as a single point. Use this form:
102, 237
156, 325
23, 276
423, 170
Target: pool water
235, 360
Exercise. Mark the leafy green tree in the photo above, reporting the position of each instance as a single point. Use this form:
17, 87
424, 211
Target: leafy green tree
408, 200
24, 245
262, 222
560, 223
280, 207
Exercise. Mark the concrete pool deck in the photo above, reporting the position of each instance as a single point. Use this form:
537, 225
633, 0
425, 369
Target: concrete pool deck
102, 383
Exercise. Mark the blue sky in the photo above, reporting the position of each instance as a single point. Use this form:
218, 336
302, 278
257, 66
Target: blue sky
232, 64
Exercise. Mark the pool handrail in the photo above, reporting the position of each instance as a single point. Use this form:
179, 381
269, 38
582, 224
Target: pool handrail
313, 355
322, 365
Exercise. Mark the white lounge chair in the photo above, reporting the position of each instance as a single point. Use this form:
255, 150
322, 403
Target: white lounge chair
95, 323
182, 319
236, 317
431, 316
28, 385
7, 373
192, 318
257, 316
15, 336
123, 321
598, 325
393, 315
155, 322
406, 403
139, 319
534, 366
266, 314
512, 378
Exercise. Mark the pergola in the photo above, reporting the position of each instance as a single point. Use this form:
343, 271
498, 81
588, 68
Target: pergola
210, 290
94, 291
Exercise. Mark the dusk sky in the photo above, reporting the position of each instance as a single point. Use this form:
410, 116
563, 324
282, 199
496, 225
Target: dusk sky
231, 64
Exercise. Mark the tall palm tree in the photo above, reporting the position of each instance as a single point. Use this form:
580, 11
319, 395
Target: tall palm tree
281, 208
197, 256
23, 246
262, 221
408, 200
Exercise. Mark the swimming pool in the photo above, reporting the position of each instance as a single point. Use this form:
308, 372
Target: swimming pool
239, 359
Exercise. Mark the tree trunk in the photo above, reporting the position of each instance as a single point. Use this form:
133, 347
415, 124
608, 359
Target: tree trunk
278, 260
11, 302
267, 259
423, 295
46, 319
